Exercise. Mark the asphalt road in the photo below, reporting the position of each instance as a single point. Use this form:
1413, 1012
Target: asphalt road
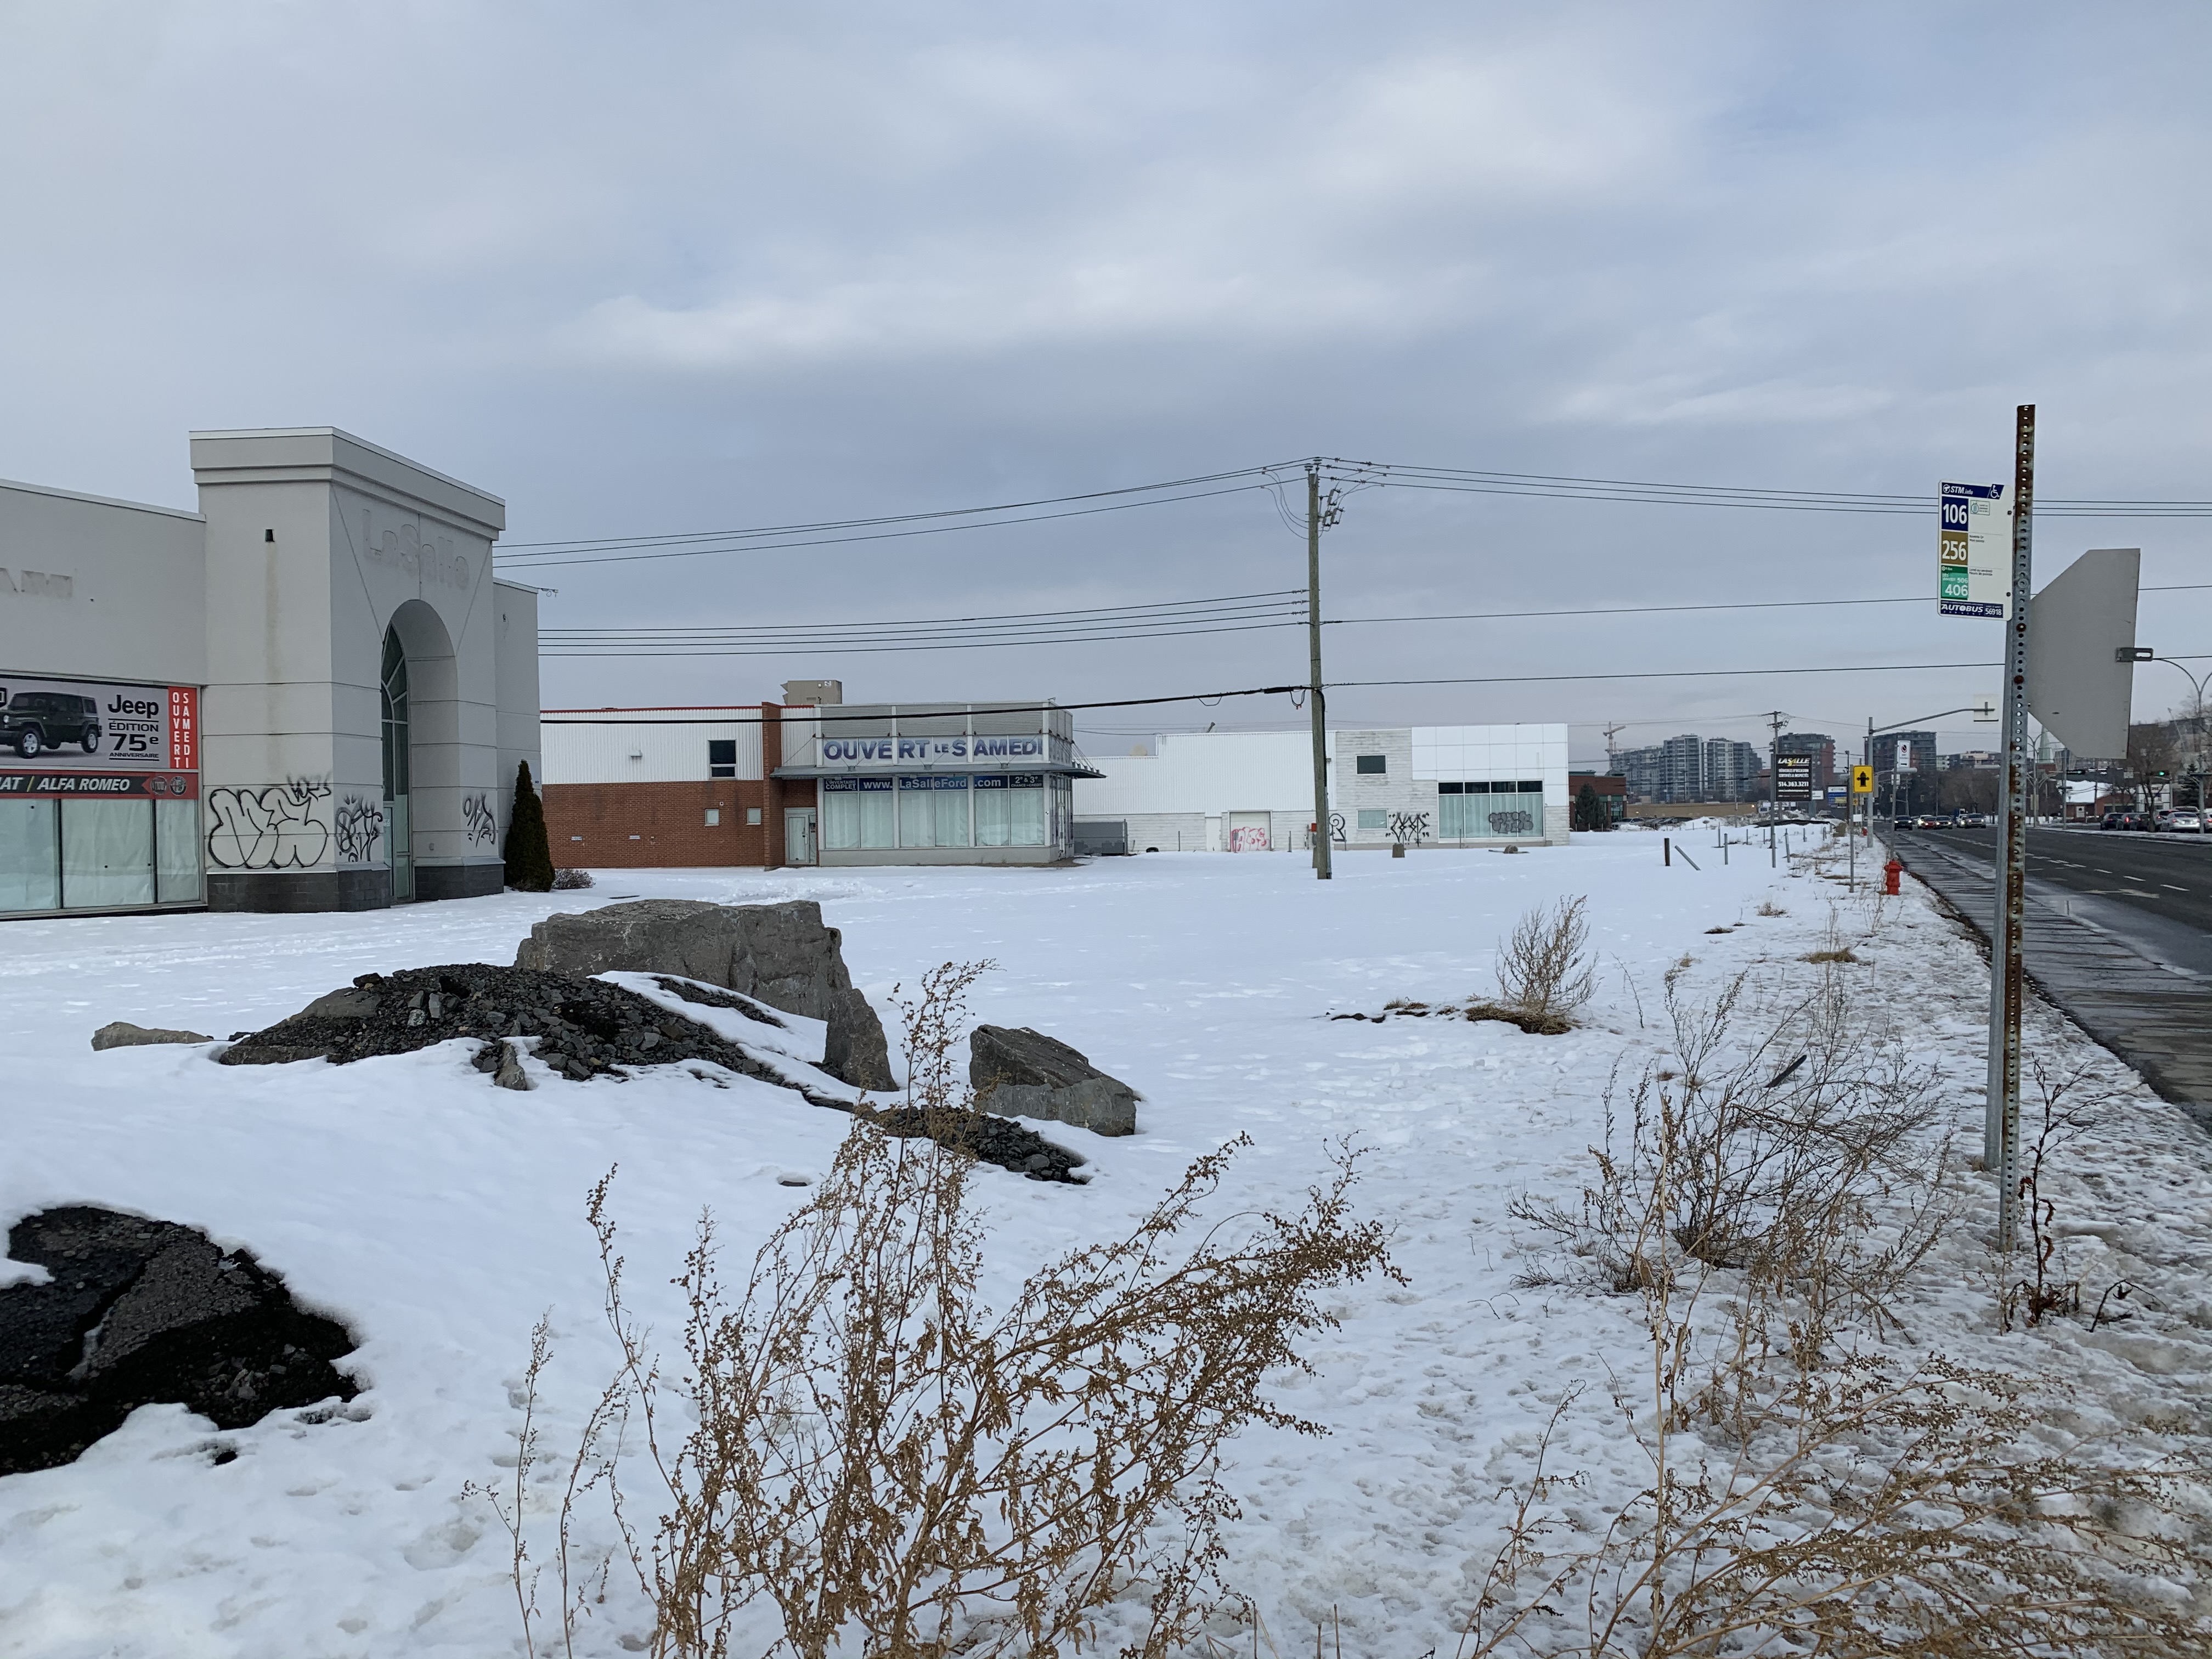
2156, 888
2120, 935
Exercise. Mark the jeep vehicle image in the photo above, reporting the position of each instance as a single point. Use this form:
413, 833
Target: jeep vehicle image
34, 722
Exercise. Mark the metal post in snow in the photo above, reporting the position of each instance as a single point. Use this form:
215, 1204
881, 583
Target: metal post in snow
1322, 869
2007, 986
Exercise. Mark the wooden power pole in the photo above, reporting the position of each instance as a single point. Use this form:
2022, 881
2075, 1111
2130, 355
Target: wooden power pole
1316, 702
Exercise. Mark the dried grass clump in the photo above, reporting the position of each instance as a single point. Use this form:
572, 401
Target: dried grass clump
569, 881
1812, 1492
856, 1438
1546, 971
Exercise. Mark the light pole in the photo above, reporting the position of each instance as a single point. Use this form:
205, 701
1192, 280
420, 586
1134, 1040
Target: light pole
2196, 683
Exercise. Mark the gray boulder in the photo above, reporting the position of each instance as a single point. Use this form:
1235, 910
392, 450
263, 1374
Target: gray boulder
781, 954
122, 1034
1020, 1073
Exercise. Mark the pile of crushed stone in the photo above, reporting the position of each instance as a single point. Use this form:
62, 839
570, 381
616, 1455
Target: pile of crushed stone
583, 1029
1534, 1024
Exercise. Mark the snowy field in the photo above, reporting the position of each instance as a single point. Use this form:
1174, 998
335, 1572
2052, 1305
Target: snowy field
439, 1216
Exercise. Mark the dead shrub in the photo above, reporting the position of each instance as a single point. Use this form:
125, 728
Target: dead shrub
1545, 968
856, 1437
1810, 1491
569, 881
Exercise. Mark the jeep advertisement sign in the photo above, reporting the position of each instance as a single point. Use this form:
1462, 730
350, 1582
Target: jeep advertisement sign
85, 726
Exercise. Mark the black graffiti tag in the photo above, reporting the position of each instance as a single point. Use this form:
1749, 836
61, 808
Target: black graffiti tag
273, 829
360, 826
477, 817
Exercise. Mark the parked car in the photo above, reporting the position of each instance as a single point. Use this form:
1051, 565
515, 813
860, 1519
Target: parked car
37, 721
2185, 820
2110, 821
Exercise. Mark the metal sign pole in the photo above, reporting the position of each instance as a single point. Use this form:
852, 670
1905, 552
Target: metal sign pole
2007, 986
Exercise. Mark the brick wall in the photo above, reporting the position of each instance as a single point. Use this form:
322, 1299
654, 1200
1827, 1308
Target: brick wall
661, 825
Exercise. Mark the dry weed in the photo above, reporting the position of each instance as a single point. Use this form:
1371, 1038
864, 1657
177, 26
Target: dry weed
892, 1462
856, 1438
1809, 1492
1545, 968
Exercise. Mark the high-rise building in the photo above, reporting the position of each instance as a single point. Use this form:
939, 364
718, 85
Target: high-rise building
1638, 770
1731, 769
1682, 769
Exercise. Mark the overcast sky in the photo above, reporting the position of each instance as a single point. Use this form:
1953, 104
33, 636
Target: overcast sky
658, 267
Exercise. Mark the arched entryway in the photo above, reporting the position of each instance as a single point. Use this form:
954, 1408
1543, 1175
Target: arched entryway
399, 766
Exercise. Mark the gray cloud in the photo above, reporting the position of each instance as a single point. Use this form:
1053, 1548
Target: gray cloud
673, 267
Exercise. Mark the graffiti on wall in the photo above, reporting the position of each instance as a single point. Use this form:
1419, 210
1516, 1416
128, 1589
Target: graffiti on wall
359, 825
1409, 826
1248, 838
1512, 824
476, 819
283, 826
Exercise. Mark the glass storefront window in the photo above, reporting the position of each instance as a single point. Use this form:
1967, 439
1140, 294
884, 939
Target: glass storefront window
30, 855
917, 813
841, 817
1025, 810
176, 851
1490, 810
993, 812
107, 853
951, 800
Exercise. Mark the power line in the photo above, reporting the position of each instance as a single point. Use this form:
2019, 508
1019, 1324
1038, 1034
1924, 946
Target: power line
1677, 674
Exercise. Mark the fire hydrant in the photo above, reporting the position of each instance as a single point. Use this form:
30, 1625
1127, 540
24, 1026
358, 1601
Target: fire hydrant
1890, 872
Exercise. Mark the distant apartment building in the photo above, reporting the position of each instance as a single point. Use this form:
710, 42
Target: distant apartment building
1818, 745
1905, 751
1732, 769
1971, 760
1690, 768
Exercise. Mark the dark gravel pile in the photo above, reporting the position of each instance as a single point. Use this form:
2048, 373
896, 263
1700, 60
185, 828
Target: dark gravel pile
585, 1028
137, 1312
987, 1139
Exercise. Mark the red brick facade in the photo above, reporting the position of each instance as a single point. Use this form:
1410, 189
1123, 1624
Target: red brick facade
664, 825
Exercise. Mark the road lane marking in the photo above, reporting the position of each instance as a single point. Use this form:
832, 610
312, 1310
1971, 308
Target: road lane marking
2171, 888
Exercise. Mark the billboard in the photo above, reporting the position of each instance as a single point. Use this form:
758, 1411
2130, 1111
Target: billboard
1793, 777
66, 727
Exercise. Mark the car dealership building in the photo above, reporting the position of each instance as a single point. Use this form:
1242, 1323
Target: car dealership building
311, 694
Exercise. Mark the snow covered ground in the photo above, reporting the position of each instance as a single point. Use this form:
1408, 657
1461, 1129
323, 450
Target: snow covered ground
441, 1216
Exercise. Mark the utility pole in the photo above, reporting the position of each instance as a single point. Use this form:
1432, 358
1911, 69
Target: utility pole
2000, 1124
1774, 787
1316, 701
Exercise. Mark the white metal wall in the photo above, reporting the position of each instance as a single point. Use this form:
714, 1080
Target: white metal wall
642, 751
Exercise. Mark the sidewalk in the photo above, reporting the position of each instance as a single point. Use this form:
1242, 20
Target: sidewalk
2155, 1016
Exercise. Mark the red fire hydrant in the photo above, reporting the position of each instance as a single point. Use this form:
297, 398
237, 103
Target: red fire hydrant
1890, 872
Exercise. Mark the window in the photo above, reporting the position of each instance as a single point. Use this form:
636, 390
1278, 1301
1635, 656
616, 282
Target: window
859, 812
1371, 763
1490, 810
714, 818
1373, 818
752, 815
30, 855
721, 758
107, 853
993, 819
1025, 809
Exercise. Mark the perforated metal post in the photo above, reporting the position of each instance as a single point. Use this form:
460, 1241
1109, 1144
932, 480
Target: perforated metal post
2008, 981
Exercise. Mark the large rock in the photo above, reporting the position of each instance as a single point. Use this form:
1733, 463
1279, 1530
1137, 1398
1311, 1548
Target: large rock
136, 1312
1025, 1073
781, 954
122, 1034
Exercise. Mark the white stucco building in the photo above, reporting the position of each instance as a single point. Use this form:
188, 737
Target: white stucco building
309, 695
1451, 786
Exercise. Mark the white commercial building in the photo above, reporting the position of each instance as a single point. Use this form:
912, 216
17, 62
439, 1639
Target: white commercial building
1425, 785
309, 695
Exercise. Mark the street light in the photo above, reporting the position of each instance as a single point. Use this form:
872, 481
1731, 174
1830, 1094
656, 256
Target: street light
2196, 683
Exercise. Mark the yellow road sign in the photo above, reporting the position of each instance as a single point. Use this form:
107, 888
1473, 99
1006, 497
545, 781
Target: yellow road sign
1862, 780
